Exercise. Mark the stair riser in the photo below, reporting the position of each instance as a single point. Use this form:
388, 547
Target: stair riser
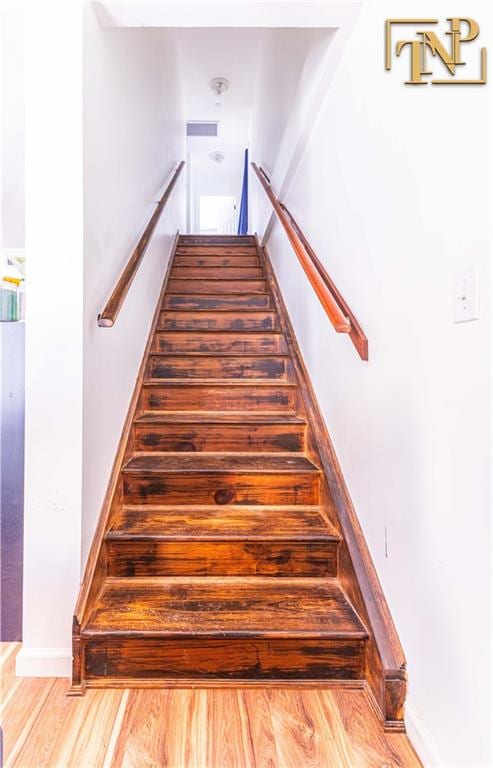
209, 398
220, 488
219, 343
223, 437
218, 321
220, 558
216, 250
211, 273
216, 261
216, 286
235, 240
219, 303
204, 659
275, 368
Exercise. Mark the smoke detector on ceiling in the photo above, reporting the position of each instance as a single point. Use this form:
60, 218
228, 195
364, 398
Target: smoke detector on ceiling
218, 157
219, 85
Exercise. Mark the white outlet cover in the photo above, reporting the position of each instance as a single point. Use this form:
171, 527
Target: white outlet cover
466, 294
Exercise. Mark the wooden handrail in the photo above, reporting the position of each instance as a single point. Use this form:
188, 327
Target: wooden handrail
108, 316
356, 333
337, 309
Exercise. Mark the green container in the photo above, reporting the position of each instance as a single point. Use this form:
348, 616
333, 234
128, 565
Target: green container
8, 303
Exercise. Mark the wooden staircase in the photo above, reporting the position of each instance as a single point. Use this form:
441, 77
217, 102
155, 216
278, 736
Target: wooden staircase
218, 556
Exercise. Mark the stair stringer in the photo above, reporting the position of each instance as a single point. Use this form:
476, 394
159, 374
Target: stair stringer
96, 566
386, 678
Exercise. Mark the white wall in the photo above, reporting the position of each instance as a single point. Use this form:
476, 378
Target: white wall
79, 378
393, 192
12, 135
52, 523
134, 135
289, 89
205, 54
281, 59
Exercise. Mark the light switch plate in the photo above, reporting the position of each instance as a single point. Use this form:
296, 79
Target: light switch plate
466, 294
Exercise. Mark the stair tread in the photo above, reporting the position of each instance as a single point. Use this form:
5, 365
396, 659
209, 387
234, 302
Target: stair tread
222, 463
228, 311
221, 523
218, 295
224, 607
218, 417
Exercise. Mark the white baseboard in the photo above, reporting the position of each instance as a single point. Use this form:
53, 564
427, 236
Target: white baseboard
422, 741
44, 662
425, 746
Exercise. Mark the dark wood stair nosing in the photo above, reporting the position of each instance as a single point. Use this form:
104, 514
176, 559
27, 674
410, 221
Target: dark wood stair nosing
302, 634
216, 279
213, 507
153, 382
134, 466
218, 417
249, 355
120, 535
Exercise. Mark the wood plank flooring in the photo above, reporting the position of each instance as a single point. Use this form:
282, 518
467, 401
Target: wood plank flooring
191, 728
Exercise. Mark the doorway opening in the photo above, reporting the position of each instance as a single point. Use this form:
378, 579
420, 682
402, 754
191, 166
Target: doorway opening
217, 215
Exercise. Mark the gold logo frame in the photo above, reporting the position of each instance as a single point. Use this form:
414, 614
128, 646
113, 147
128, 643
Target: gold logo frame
428, 41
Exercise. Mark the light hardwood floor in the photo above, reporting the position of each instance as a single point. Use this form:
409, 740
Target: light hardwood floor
201, 728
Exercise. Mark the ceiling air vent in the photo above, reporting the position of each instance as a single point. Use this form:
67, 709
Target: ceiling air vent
202, 128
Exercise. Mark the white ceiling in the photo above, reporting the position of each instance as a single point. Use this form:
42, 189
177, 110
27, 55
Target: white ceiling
230, 13
206, 54
223, 39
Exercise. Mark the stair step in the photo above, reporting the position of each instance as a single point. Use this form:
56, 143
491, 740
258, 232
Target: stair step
213, 431
221, 541
235, 240
196, 260
228, 606
225, 273
180, 342
232, 251
220, 479
250, 321
218, 302
222, 395
222, 463
231, 628
212, 523
213, 417
274, 367
218, 563
204, 286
